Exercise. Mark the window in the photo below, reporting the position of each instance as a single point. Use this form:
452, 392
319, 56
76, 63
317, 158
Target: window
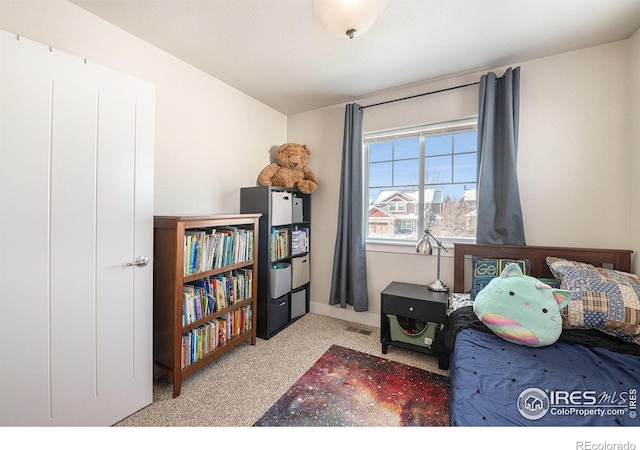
397, 206
422, 178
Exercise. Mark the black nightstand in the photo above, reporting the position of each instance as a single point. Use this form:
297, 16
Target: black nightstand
412, 301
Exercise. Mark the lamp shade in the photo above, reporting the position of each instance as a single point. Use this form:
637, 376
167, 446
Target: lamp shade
424, 246
347, 18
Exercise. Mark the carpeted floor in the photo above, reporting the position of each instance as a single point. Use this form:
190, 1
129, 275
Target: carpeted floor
241, 386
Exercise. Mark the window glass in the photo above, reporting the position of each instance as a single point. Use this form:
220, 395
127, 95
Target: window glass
381, 174
405, 172
382, 151
465, 142
423, 181
406, 148
464, 168
438, 169
438, 145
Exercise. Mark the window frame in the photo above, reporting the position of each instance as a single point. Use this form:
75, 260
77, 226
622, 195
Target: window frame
446, 127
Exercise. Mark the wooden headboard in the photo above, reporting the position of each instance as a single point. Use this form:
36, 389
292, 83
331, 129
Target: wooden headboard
611, 259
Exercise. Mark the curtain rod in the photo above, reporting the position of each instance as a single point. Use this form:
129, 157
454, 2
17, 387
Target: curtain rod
420, 95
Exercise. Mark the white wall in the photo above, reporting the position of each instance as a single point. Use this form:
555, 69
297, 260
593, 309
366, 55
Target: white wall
574, 148
634, 167
210, 138
574, 153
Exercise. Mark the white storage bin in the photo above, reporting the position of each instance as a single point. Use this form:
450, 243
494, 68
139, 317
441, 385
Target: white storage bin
299, 271
281, 208
279, 279
298, 303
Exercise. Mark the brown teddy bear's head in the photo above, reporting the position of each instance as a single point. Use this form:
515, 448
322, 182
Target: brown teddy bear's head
293, 156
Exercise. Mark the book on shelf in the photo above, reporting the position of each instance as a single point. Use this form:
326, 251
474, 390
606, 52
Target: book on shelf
279, 243
199, 342
214, 248
238, 245
203, 287
219, 288
207, 295
202, 340
247, 286
189, 305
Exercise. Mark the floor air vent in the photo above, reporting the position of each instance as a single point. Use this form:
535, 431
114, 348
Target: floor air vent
358, 330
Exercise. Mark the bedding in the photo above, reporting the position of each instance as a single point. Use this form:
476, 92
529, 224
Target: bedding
589, 377
495, 382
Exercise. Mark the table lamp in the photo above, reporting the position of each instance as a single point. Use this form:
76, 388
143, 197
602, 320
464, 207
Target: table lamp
425, 247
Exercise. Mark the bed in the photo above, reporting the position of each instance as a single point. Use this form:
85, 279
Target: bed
589, 377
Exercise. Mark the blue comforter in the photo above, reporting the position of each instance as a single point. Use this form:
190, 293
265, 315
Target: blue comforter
497, 383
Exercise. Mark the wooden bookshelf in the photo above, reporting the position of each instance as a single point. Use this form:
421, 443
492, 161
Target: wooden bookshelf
171, 273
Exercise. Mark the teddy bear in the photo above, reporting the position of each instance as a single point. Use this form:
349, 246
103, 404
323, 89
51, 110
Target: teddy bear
290, 169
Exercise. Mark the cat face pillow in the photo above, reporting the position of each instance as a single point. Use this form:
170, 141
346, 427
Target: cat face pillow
521, 309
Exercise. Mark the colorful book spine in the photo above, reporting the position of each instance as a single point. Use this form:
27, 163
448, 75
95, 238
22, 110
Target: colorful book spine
211, 249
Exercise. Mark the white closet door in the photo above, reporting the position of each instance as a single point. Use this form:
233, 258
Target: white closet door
76, 187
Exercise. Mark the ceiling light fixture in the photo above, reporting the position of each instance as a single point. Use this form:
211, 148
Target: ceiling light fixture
347, 18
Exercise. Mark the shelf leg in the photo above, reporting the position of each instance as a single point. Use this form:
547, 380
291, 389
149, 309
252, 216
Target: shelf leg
176, 389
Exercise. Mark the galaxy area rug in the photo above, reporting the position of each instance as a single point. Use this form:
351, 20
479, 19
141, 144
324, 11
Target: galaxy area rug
349, 388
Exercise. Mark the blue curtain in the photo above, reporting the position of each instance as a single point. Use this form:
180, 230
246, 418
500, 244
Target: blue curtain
499, 214
349, 276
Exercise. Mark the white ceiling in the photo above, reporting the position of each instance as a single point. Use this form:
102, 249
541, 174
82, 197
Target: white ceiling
274, 51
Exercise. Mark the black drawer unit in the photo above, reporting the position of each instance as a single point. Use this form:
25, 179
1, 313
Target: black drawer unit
411, 301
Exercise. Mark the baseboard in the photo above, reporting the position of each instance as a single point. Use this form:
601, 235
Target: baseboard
348, 314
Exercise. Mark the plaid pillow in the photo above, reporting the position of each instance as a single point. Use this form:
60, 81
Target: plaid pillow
603, 299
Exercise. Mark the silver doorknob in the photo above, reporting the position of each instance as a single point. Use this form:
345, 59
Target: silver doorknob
140, 261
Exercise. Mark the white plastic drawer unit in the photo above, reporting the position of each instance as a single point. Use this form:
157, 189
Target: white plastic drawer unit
281, 209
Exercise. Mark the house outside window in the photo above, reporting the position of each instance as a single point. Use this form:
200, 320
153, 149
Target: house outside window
422, 178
